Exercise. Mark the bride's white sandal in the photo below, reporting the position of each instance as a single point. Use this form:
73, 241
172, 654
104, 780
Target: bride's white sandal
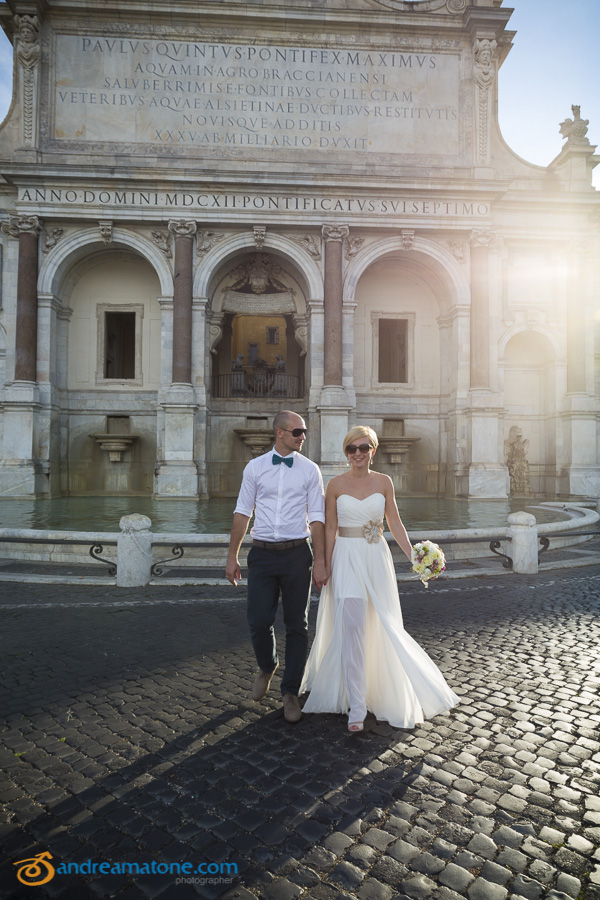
354, 727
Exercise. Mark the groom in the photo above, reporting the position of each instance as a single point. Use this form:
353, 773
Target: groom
285, 491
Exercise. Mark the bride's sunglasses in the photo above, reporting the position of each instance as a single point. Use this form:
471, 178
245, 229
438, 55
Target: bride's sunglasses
351, 449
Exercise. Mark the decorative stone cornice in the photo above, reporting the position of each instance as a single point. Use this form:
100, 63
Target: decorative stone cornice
335, 232
106, 227
260, 232
182, 227
407, 236
17, 225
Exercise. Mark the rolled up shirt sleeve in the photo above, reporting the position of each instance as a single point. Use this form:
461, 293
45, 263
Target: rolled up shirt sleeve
316, 497
247, 497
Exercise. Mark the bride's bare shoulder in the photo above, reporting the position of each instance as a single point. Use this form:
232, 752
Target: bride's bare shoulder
335, 486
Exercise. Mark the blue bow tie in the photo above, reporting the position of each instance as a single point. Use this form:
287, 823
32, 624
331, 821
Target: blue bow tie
286, 460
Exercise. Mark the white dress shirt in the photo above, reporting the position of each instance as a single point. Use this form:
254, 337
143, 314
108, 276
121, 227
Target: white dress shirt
284, 500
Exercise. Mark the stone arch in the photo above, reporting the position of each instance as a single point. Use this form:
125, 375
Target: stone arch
510, 333
450, 278
244, 243
75, 247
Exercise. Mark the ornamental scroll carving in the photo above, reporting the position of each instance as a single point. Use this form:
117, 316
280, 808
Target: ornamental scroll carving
163, 241
484, 73
206, 240
182, 227
483, 237
335, 232
311, 244
28, 56
51, 238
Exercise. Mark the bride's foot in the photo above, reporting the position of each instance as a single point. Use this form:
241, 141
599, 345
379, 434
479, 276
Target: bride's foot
353, 727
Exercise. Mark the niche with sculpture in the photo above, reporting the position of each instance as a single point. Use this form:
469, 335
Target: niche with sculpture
516, 449
259, 341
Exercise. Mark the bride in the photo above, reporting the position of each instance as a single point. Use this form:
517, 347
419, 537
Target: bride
362, 658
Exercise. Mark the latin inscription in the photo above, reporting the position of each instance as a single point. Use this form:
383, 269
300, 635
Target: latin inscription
188, 202
202, 95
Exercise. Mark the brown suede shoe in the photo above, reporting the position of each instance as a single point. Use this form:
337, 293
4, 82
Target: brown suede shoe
261, 684
291, 708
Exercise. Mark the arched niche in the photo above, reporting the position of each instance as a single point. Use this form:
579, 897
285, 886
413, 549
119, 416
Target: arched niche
113, 331
400, 297
258, 327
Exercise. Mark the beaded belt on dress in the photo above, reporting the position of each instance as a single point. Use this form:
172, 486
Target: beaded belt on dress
371, 531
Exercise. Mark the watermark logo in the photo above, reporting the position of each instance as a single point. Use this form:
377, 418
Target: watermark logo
36, 870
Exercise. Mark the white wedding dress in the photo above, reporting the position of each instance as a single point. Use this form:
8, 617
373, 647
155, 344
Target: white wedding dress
362, 658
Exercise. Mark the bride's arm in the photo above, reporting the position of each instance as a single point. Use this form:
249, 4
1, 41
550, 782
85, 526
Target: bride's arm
393, 519
330, 524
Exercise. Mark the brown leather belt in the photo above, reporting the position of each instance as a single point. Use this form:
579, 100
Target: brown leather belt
278, 545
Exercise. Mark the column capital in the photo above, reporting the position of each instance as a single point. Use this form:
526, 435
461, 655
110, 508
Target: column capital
17, 225
335, 232
182, 227
483, 237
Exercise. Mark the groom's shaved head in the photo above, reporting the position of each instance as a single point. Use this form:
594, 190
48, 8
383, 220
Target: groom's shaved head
282, 419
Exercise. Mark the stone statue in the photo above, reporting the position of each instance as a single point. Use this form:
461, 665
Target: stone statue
238, 362
281, 364
575, 129
515, 454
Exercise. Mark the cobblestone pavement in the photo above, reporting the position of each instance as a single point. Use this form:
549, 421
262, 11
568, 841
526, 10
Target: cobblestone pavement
129, 737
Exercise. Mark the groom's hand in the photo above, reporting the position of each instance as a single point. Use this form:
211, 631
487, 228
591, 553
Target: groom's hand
233, 573
319, 575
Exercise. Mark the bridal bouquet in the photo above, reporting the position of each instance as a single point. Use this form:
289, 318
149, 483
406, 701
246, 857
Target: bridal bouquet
428, 561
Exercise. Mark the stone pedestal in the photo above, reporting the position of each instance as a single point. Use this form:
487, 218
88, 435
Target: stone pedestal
134, 551
22, 473
523, 548
177, 473
579, 475
487, 478
334, 410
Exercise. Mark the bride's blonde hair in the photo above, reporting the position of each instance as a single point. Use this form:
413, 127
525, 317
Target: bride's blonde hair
360, 431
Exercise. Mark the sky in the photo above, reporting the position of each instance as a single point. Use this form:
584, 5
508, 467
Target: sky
552, 65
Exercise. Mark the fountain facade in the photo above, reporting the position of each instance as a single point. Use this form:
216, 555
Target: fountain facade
369, 264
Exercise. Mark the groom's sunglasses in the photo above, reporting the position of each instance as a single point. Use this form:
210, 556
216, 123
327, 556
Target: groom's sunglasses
351, 449
295, 432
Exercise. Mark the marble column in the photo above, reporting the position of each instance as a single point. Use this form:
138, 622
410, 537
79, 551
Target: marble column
177, 471
183, 278
579, 463
334, 236
487, 476
334, 405
22, 472
480, 309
